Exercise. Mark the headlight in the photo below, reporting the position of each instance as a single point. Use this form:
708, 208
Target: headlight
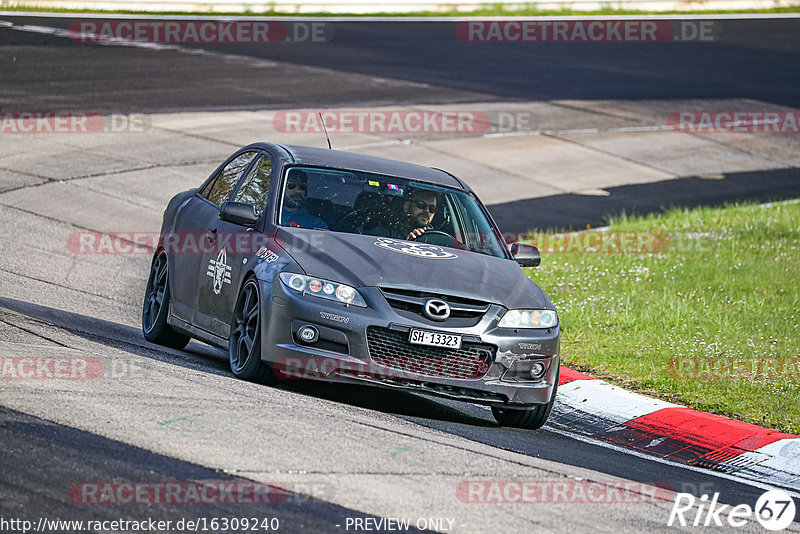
323, 289
529, 319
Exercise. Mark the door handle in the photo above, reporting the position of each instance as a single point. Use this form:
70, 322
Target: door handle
211, 235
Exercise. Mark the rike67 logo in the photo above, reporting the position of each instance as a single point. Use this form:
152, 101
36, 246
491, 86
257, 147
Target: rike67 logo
774, 510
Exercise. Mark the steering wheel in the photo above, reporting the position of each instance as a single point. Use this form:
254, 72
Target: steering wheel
350, 220
438, 237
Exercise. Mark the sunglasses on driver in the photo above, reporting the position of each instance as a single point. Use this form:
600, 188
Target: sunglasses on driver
424, 205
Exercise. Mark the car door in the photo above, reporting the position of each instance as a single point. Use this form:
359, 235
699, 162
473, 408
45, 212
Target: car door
187, 240
182, 247
222, 272
206, 218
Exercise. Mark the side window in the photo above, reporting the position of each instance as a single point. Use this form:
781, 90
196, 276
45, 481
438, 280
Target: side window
255, 188
206, 188
225, 181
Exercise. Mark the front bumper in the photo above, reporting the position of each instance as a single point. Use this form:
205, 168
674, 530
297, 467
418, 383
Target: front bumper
346, 350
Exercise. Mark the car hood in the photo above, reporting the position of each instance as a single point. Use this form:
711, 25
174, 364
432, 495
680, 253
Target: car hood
360, 260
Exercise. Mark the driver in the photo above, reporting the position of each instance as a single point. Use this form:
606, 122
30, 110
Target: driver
419, 208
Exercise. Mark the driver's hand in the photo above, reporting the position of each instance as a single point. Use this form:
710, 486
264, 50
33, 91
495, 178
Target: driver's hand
415, 233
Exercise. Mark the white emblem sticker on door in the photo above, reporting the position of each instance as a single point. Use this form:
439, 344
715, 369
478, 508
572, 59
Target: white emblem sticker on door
220, 271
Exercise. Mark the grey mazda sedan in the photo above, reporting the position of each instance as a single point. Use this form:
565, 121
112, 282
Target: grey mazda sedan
309, 263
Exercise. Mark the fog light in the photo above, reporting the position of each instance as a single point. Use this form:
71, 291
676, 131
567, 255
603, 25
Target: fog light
526, 370
308, 334
537, 370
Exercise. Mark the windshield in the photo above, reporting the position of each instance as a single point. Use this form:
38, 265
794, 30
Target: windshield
385, 206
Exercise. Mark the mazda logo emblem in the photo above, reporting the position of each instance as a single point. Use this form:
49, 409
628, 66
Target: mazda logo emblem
436, 309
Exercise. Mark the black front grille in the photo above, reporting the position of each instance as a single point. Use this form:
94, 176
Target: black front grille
391, 349
414, 301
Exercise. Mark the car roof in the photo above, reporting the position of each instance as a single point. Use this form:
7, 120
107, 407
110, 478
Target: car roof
324, 157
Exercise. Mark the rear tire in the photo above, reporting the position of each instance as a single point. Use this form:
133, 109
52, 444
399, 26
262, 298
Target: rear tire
244, 344
532, 418
155, 308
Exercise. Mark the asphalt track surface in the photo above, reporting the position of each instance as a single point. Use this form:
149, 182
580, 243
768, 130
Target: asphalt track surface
62, 456
574, 212
427, 64
38, 459
41, 460
747, 59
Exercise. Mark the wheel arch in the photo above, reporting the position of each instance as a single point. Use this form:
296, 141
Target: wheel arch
250, 273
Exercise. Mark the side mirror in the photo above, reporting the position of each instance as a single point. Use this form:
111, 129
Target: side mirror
526, 255
239, 213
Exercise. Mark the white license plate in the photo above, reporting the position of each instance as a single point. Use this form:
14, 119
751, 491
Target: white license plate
434, 339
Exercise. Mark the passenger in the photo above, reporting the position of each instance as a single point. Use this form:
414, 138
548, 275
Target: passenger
294, 211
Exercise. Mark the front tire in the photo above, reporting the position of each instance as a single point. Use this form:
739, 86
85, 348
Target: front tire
244, 344
155, 308
532, 418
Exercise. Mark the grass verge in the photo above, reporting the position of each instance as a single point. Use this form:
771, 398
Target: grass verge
700, 307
